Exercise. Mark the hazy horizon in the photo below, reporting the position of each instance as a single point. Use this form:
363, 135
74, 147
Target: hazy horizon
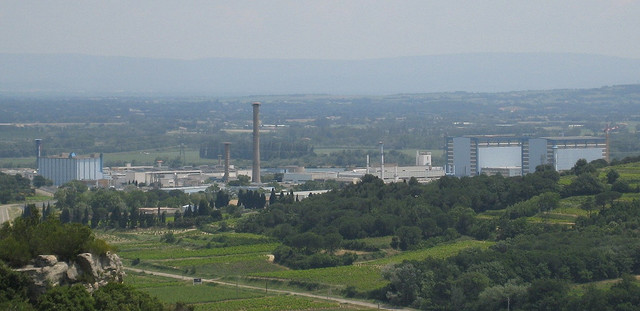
323, 30
473, 72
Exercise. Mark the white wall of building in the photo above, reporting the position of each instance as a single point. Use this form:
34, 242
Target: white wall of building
499, 157
566, 158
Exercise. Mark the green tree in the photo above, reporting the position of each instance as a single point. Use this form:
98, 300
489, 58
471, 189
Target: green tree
65, 216
548, 201
272, 196
222, 199
70, 298
14, 287
588, 205
85, 216
308, 241
405, 281
243, 180
582, 167
584, 184
332, 241
203, 207
547, 294
40, 181
621, 186
612, 176
509, 296
607, 197
118, 297
408, 236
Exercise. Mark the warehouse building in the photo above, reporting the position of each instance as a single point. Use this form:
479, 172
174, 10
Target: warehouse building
69, 166
513, 156
564, 152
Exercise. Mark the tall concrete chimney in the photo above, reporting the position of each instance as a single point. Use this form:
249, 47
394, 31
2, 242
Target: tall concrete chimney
38, 151
381, 160
227, 156
255, 176
38, 148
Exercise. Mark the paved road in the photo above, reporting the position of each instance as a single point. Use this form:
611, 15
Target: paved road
340, 300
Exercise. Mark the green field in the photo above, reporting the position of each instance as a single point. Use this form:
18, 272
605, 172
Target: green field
196, 252
18, 162
440, 252
366, 276
362, 277
176, 251
210, 296
148, 157
203, 293
281, 302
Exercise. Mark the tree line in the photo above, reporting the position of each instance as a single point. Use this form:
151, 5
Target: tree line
108, 208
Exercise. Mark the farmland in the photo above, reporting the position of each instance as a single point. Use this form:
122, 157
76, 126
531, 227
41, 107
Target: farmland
191, 258
201, 254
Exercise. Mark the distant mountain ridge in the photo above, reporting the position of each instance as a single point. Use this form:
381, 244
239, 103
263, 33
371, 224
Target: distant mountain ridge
483, 72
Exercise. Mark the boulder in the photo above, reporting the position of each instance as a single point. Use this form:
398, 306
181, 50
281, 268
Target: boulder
45, 260
90, 270
56, 274
72, 273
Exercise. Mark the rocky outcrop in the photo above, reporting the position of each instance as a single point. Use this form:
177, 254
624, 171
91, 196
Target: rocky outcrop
90, 270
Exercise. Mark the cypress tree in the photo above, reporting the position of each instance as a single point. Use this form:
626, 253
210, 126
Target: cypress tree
85, 218
65, 216
272, 197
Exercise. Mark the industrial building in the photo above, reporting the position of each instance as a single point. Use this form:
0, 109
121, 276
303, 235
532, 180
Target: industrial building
66, 167
564, 152
69, 166
513, 156
166, 178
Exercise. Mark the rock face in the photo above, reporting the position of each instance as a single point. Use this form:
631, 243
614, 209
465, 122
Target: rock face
90, 270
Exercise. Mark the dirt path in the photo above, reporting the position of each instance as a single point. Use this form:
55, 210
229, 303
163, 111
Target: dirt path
4, 212
340, 300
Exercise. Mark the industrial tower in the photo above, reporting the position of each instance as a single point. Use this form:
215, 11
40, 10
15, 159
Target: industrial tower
255, 175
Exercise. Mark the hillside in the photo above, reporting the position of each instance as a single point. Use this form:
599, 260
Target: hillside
544, 241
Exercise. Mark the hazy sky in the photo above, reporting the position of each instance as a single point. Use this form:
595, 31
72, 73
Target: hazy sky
320, 29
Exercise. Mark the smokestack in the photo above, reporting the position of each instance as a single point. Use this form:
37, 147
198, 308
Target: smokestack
255, 176
38, 148
367, 164
381, 161
227, 156
38, 151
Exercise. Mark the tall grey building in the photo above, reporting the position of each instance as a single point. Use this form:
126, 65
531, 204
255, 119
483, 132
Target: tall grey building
67, 167
511, 155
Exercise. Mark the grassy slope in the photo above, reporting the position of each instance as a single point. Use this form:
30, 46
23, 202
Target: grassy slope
367, 276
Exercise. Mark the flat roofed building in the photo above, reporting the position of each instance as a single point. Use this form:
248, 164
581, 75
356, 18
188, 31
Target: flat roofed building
473, 155
469, 155
68, 166
564, 152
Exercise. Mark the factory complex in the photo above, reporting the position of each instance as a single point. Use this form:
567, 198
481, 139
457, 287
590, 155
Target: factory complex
464, 156
89, 169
